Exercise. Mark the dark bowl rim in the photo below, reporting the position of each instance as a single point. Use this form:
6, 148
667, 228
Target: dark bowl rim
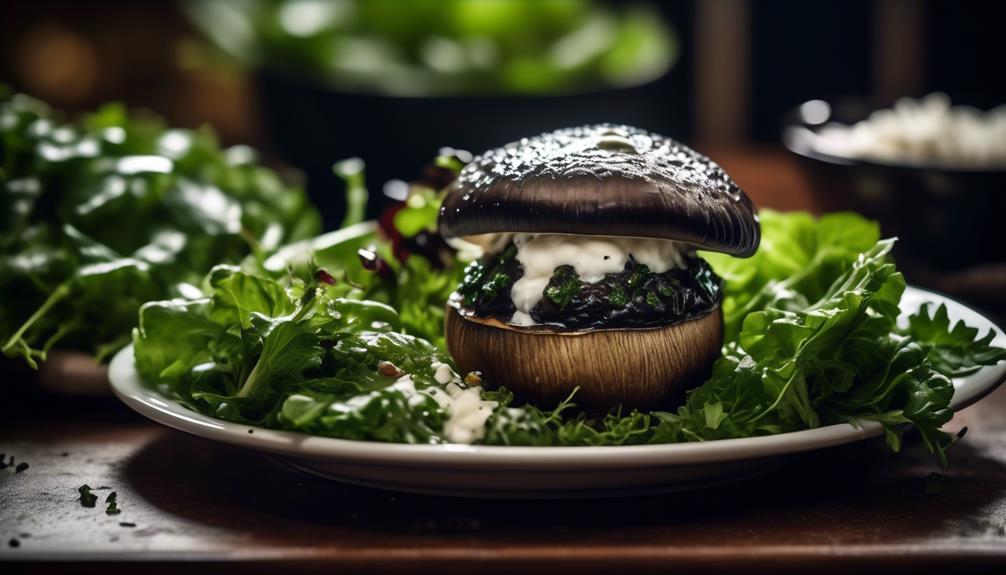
792, 122
260, 71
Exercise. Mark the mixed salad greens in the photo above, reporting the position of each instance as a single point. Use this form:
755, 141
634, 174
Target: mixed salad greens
428, 47
813, 340
103, 214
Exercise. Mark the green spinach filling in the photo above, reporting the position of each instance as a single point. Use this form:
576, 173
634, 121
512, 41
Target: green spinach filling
634, 297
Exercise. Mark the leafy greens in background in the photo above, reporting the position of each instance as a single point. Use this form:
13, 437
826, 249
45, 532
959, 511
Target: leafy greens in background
101, 215
452, 47
813, 340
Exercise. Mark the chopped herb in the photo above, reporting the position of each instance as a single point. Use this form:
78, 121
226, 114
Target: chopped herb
250, 431
486, 282
20, 467
14, 543
474, 275
640, 273
492, 288
652, 300
667, 285
563, 286
126, 524
113, 506
87, 499
617, 296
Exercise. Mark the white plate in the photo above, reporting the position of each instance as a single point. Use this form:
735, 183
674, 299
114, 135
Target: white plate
493, 471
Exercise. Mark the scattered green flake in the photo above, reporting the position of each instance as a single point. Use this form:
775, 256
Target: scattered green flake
87, 499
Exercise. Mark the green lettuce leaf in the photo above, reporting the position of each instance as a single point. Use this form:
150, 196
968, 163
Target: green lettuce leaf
798, 259
103, 214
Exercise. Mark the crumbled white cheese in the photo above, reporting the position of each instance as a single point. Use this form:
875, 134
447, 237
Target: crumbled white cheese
466, 411
591, 256
443, 373
467, 416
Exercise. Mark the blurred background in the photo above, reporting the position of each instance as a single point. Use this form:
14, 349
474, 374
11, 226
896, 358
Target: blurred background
310, 82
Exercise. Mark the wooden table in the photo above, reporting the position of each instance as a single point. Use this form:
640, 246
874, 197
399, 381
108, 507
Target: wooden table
192, 500
186, 500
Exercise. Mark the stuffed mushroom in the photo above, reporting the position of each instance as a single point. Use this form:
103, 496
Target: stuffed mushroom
589, 277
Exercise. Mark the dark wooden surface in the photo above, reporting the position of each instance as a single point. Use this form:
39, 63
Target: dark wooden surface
855, 509
193, 500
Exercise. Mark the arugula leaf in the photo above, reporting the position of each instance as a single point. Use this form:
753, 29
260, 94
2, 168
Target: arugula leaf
184, 334
288, 350
800, 362
256, 351
798, 258
956, 350
237, 296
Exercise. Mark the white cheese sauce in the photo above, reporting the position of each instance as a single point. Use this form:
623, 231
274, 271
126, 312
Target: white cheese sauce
591, 256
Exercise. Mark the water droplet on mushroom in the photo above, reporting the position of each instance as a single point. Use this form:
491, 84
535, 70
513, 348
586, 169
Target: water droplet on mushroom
616, 141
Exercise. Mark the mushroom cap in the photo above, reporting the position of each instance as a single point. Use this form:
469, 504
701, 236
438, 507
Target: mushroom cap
603, 179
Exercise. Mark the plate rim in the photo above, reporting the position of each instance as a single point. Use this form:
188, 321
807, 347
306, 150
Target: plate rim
129, 388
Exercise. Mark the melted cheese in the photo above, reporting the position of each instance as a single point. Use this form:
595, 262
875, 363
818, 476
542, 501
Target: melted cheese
591, 256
